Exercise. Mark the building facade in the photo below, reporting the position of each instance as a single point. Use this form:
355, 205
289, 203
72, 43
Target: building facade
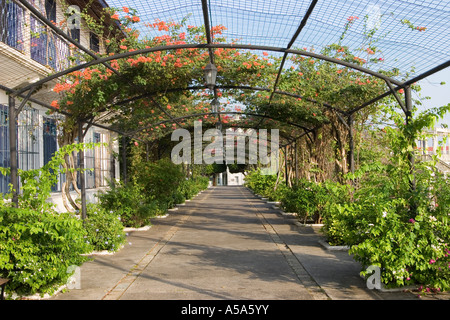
29, 51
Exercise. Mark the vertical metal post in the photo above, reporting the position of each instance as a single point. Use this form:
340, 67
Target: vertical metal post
124, 159
286, 166
82, 174
13, 150
351, 153
296, 161
411, 158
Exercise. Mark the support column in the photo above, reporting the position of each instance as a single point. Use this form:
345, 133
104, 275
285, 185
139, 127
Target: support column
124, 159
351, 143
82, 172
13, 150
411, 158
296, 161
286, 166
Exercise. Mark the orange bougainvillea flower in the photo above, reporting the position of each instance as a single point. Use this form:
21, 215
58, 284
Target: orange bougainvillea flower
55, 104
136, 19
115, 16
125, 9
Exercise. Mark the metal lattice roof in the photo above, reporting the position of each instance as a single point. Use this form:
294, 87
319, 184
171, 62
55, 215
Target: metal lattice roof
273, 23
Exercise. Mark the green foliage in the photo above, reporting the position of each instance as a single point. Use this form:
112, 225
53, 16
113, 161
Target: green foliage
104, 228
263, 185
159, 180
36, 184
398, 218
126, 201
188, 188
154, 187
36, 249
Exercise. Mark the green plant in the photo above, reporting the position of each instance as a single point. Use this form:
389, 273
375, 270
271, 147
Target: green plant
37, 248
400, 212
37, 183
104, 228
125, 200
261, 184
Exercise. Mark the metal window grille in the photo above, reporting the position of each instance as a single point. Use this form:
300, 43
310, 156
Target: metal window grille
28, 145
4, 148
11, 24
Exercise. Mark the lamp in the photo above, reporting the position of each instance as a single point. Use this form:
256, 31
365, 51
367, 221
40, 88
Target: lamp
210, 75
215, 105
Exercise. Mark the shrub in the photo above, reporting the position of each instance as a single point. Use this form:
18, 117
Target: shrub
410, 243
125, 201
261, 184
159, 180
36, 249
104, 228
188, 188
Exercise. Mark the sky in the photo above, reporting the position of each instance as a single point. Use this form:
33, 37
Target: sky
439, 94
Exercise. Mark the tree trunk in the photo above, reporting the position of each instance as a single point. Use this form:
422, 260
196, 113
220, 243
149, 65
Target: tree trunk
66, 138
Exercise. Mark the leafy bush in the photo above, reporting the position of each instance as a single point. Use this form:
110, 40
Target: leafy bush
159, 180
104, 228
188, 188
125, 201
155, 188
261, 184
406, 234
36, 249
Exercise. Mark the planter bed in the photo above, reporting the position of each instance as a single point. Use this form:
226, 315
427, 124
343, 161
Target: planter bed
327, 246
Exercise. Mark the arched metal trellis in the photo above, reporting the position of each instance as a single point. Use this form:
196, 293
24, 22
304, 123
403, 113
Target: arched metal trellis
306, 24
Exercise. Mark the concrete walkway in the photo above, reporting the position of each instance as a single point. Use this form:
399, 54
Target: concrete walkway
224, 244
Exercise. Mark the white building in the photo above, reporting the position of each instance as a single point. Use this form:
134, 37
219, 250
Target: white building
29, 51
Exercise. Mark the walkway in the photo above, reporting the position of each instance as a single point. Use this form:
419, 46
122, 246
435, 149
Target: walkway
224, 244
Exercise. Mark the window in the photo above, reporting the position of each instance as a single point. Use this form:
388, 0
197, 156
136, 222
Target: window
75, 34
28, 139
98, 159
4, 148
50, 10
102, 161
50, 143
11, 24
44, 42
94, 42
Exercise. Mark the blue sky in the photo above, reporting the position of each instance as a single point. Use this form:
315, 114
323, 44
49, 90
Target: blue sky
439, 94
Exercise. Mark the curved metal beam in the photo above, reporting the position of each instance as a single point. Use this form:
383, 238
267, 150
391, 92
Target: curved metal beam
210, 113
294, 95
209, 46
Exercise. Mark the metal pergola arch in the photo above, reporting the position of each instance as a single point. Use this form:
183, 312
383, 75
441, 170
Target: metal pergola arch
27, 91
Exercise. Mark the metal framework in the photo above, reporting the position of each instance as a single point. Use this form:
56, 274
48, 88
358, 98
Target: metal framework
307, 20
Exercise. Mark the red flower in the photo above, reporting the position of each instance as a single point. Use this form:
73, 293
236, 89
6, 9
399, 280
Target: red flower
125, 9
55, 104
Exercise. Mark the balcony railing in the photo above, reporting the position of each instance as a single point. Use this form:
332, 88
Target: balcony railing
22, 31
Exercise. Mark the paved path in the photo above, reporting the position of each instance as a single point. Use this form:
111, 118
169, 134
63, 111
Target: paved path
224, 244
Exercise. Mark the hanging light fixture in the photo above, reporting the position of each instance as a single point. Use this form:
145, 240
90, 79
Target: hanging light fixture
215, 105
210, 75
